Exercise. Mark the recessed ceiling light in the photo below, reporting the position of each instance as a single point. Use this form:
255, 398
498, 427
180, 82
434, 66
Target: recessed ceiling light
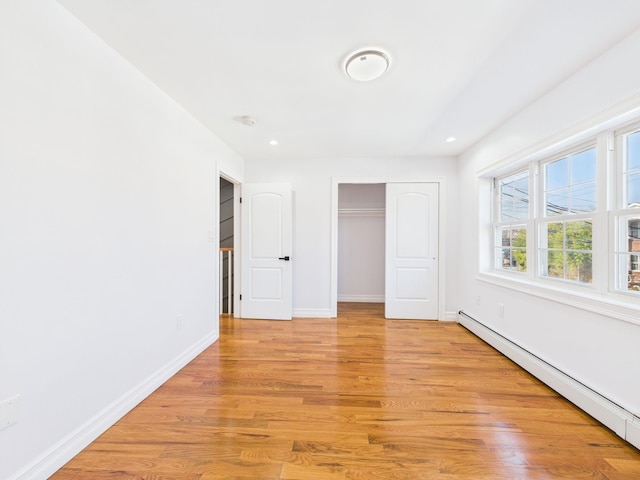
273, 142
366, 65
450, 139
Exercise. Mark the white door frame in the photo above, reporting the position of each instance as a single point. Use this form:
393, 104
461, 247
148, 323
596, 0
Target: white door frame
335, 183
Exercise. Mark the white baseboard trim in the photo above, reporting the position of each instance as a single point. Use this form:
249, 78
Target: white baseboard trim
361, 298
311, 313
450, 317
621, 421
58, 455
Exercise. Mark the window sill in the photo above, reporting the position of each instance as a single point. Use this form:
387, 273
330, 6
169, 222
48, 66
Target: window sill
611, 305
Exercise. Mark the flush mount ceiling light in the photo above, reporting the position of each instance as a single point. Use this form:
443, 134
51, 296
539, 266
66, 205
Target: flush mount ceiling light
366, 65
450, 139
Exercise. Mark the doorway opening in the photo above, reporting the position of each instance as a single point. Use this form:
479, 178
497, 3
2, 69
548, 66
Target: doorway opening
361, 242
226, 229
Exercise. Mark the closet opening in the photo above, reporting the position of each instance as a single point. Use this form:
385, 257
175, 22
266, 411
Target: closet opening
361, 242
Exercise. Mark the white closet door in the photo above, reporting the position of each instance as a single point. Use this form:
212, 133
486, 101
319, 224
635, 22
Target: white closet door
411, 276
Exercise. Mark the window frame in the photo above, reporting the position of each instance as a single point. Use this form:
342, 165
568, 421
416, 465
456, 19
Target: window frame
600, 296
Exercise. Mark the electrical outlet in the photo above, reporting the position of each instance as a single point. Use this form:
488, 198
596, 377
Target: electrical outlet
179, 322
477, 299
9, 411
501, 310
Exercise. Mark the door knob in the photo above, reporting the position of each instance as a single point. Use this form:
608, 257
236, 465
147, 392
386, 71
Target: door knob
286, 259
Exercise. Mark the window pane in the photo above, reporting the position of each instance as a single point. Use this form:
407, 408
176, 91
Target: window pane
521, 187
506, 201
633, 151
628, 254
555, 235
568, 250
513, 254
583, 166
514, 197
629, 273
507, 260
579, 235
555, 264
506, 212
633, 235
583, 198
633, 190
519, 237
633, 282
504, 258
506, 238
557, 174
570, 184
557, 202
520, 259
521, 209
506, 190
579, 267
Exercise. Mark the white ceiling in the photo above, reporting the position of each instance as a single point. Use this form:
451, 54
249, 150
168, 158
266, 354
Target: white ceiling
458, 67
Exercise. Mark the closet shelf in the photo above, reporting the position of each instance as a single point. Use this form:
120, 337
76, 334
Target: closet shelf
361, 212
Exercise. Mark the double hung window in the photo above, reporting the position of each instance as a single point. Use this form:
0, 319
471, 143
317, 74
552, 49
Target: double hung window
566, 230
511, 227
628, 216
571, 220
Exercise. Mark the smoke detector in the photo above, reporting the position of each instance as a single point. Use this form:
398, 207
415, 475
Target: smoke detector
246, 120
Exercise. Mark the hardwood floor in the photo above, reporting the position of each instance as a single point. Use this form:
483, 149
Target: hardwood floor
358, 397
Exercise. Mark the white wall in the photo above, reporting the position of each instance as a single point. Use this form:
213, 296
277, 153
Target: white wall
361, 241
599, 351
107, 205
311, 181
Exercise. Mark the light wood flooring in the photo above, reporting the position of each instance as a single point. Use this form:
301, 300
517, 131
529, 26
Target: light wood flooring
358, 397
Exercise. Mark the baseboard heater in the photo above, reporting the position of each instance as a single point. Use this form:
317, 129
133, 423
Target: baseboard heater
621, 421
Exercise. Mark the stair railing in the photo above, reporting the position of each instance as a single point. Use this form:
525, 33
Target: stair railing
229, 270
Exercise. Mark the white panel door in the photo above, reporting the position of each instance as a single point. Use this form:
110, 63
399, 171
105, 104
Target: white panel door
266, 232
411, 266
